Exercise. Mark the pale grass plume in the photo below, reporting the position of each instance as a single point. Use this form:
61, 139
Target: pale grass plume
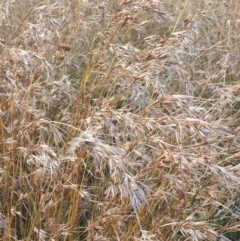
119, 120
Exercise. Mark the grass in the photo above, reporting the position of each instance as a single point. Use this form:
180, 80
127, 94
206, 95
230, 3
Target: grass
119, 120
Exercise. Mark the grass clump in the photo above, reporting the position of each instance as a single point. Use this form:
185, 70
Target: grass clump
119, 120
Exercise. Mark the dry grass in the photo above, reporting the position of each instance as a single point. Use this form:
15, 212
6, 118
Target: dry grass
119, 120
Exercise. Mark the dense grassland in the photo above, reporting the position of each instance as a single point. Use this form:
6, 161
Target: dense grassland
120, 120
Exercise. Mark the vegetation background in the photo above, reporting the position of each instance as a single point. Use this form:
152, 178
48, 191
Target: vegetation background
119, 120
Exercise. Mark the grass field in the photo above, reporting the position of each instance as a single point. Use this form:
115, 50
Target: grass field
119, 120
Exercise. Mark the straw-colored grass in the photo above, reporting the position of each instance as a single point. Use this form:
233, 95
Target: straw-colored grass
119, 120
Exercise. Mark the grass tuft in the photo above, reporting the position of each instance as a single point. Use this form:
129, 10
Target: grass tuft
119, 120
